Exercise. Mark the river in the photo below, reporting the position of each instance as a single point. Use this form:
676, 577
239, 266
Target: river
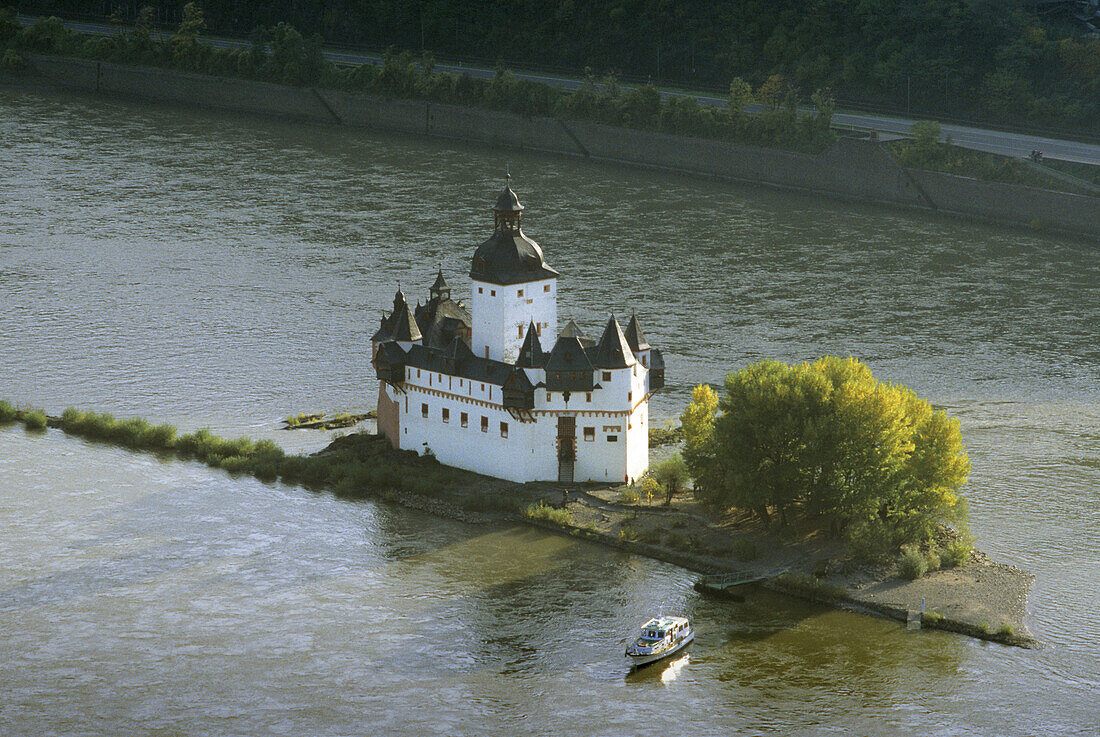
208, 269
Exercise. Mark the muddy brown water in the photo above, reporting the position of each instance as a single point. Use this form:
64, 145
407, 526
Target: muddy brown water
224, 271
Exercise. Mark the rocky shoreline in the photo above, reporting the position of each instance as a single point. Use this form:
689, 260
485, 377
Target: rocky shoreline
981, 598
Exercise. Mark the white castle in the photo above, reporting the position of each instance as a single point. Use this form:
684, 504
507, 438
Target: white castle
480, 393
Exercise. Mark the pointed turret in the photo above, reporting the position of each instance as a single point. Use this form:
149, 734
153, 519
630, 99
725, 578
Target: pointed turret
568, 368
613, 350
530, 353
634, 337
404, 328
440, 289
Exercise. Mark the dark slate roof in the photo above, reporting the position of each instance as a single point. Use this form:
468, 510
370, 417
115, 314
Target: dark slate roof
390, 353
470, 367
656, 360
568, 355
572, 331
441, 319
510, 257
517, 381
613, 350
440, 284
634, 337
404, 325
508, 201
383, 330
531, 354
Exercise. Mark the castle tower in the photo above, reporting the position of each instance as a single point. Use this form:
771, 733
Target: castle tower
512, 288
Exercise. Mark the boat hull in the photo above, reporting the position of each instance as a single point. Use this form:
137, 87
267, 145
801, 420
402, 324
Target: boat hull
640, 661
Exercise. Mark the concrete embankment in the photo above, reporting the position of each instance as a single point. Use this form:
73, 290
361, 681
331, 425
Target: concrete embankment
853, 169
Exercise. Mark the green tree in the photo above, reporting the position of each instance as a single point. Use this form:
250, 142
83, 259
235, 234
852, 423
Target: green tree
828, 442
672, 474
697, 421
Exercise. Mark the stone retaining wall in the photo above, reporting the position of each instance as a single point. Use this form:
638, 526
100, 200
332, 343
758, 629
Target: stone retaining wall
852, 169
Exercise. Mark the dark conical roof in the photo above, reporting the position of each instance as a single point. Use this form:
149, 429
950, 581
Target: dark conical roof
531, 354
634, 337
613, 350
440, 284
568, 355
508, 201
404, 323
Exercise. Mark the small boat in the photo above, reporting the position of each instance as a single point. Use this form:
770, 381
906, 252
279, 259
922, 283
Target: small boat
659, 638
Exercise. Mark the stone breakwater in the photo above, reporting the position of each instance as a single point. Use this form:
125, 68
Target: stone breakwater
853, 169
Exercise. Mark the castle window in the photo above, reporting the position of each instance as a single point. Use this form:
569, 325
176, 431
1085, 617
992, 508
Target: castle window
588, 396
548, 396
492, 292
464, 419
418, 373
480, 290
446, 415
520, 331
519, 293
424, 410
606, 376
546, 288
590, 434
644, 360
629, 396
538, 329
504, 429
612, 438
484, 423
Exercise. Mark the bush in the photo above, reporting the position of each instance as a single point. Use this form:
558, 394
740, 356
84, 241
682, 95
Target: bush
629, 495
8, 413
912, 565
955, 554
542, 511
35, 420
870, 540
649, 488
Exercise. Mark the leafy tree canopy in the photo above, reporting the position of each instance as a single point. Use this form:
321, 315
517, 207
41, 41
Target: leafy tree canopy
826, 441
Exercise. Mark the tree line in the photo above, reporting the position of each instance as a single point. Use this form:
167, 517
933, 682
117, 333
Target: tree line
992, 60
282, 54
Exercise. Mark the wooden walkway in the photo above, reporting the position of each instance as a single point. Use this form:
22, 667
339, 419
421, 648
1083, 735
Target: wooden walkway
723, 581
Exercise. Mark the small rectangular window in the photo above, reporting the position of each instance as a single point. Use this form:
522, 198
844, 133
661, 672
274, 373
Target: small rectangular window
590, 434
629, 396
504, 429
446, 415
546, 288
606, 376
612, 438
464, 419
538, 329
480, 290
418, 373
588, 396
424, 410
547, 396
484, 423
519, 293
492, 292
519, 331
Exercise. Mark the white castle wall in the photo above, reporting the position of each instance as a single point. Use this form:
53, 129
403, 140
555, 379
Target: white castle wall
612, 427
501, 314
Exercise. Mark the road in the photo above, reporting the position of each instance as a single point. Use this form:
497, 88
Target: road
1019, 145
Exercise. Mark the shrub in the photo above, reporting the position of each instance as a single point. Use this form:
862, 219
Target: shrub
8, 413
35, 420
955, 554
629, 495
912, 565
1006, 630
542, 511
870, 540
649, 488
